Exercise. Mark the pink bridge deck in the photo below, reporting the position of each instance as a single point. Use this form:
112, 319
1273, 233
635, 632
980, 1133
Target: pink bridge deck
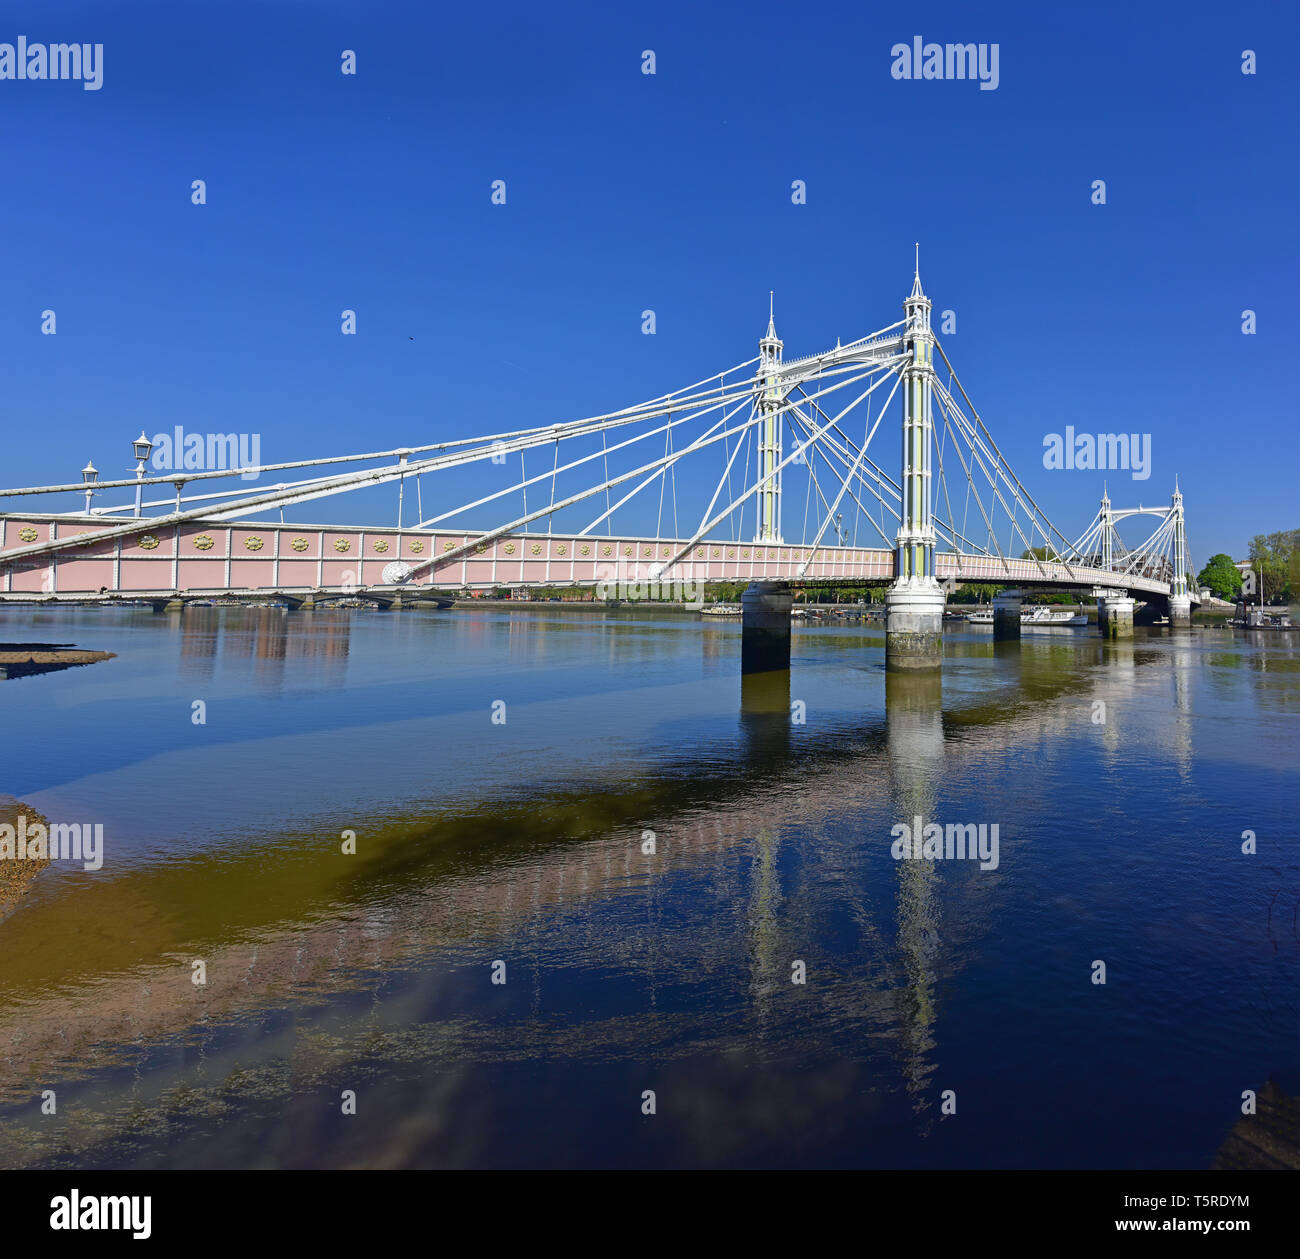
253, 556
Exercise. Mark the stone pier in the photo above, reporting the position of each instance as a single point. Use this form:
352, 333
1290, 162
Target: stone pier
1115, 615
765, 627
914, 625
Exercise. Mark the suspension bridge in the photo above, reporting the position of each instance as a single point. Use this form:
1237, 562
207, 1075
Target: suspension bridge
729, 453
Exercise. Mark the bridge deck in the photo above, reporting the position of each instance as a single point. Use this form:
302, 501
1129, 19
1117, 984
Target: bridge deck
199, 559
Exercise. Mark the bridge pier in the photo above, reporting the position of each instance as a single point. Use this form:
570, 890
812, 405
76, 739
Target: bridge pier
914, 625
1180, 610
765, 627
1115, 615
1006, 616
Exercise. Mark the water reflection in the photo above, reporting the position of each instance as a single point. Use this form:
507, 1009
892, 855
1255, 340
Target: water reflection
916, 757
627, 965
766, 715
269, 636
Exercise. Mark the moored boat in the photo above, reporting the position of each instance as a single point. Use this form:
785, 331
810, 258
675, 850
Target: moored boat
1041, 614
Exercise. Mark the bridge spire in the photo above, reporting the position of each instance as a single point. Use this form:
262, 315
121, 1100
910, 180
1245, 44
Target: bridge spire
1180, 599
769, 431
1107, 521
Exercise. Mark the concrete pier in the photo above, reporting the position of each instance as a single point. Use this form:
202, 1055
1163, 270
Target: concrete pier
1006, 616
765, 627
914, 625
1115, 615
1180, 610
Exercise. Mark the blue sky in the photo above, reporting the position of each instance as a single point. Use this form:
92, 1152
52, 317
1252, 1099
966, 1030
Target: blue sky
668, 192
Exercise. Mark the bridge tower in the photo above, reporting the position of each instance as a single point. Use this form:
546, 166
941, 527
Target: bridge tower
1114, 606
769, 434
914, 604
765, 607
1180, 600
1107, 530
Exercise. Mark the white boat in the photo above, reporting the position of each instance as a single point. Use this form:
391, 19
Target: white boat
721, 609
1046, 614
1041, 614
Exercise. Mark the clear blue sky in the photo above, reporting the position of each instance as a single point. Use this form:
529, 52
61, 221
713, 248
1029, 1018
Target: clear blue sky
670, 192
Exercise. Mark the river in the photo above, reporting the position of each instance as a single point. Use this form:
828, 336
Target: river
710, 953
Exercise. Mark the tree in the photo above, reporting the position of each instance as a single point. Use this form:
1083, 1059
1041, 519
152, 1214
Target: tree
1272, 555
1221, 576
974, 592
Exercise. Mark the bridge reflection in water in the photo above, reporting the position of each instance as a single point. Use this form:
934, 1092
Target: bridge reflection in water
670, 968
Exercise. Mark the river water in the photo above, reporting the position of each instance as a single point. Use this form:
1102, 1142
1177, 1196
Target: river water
592, 807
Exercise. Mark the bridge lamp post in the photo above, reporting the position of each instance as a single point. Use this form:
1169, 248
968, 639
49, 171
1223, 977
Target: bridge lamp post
89, 475
140, 449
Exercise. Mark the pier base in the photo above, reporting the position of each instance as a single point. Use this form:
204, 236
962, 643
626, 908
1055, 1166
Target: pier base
1006, 616
1115, 616
1180, 610
765, 627
914, 624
